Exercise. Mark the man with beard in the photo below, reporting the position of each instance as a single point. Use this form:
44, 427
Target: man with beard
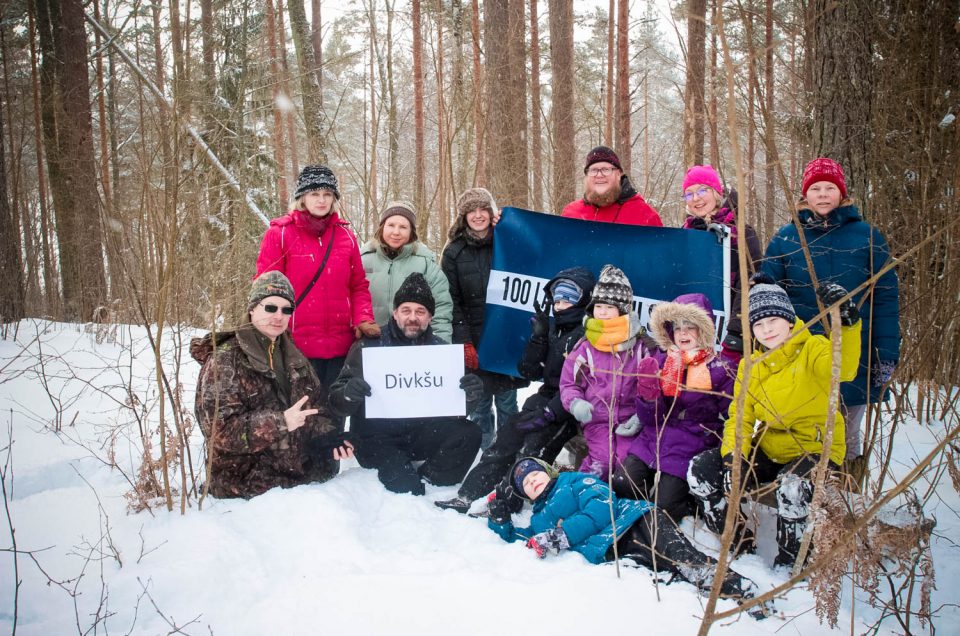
608, 194
445, 445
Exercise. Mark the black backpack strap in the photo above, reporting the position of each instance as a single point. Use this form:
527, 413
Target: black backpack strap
323, 264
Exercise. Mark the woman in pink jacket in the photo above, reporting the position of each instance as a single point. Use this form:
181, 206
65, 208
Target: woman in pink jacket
319, 253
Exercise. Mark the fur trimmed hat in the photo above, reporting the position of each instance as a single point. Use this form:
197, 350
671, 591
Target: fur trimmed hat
474, 198
613, 288
823, 169
690, 308
272, 283
415, 289
524, 467
767, 300
316, 178
601, 153
399, 208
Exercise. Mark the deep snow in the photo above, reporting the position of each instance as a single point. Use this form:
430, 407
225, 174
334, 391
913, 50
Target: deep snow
341, 557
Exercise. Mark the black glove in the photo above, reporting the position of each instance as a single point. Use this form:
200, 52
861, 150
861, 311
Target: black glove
322, 447
535, 420
761, 278
499, 511
830, 294
356, 389
696, 223
472, 385
540, 320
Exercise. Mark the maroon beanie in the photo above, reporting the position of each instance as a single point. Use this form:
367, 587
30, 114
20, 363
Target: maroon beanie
823, 169
601, 153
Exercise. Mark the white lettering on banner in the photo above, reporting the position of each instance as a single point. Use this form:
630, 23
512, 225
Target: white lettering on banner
520, 291
414, 381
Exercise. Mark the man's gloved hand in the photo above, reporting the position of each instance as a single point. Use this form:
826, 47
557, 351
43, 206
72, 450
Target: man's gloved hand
552, 541
830, 294
540, 320
883, 372
535, 420
472, 385
648, 384
367, 328
356, 390
581, 410
470, 358
629, 428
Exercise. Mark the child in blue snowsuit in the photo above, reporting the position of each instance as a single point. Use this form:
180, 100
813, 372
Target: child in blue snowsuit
572, 511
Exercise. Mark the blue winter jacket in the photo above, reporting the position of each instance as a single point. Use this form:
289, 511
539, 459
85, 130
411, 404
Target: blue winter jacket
580, 504
847, 251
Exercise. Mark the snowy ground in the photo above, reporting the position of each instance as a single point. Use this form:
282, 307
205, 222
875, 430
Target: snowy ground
340, 557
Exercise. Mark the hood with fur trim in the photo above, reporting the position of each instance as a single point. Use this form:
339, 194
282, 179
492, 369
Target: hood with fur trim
693, 308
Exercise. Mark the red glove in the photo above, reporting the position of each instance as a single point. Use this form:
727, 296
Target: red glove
470, 358
367, 328
648, 384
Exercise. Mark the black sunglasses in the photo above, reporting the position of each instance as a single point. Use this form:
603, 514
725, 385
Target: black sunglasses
272, 309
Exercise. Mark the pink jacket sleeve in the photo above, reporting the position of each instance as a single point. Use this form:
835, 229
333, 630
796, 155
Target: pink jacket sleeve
271, 255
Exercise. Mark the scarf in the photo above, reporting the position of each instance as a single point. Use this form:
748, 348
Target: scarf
693, 362
315, 225
615, 334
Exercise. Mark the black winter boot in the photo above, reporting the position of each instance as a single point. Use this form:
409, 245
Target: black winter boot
789, 537
457, 503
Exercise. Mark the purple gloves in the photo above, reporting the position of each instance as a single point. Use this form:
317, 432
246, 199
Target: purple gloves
535, 420
648, 384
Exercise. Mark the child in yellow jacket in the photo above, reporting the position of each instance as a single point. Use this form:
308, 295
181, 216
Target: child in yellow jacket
784, 412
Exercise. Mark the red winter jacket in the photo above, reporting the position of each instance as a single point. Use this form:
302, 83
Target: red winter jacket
629, 209
322, 325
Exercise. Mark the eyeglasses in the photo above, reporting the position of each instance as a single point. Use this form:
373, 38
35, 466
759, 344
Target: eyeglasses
596, 172
272, 309
699, 192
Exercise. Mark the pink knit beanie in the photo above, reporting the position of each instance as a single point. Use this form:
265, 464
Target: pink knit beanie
703, 175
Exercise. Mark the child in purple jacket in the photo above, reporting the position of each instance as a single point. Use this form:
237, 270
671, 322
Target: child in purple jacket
598, 385
681, 412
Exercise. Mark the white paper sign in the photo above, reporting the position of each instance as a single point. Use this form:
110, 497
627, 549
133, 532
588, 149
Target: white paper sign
414, 381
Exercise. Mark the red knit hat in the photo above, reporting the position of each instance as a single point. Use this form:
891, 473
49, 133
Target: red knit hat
823, 169
601, 153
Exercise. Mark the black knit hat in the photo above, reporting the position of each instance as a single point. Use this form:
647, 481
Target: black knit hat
316, 178
415, 289
768, 300
612, 288
601, 153
272, 283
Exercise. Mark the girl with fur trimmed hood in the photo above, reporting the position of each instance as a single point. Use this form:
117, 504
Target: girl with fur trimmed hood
684, 391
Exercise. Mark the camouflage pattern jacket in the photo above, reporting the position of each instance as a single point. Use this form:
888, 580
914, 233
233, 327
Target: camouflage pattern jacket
239, 405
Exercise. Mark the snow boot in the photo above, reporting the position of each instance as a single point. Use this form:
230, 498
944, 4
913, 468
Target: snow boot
459, 504
789, 537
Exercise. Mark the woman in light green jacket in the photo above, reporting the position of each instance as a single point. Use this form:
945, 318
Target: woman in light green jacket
395, 253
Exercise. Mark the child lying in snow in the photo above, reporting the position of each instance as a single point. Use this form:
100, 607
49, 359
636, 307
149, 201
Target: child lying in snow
571, 511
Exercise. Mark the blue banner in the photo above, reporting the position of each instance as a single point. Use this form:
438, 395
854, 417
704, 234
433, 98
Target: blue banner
529, 248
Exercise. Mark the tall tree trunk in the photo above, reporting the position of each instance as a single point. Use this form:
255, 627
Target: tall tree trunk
536, 145
714, 83
565, 183
50, 294
479, 119
693, 115
419, 175
770, 136
11, 269
310, 92
393, 126
751, 105
609, 84
290, 120
279, 156
843, 77
517, 182
68, 131
623, 110
316, 40
443, 147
